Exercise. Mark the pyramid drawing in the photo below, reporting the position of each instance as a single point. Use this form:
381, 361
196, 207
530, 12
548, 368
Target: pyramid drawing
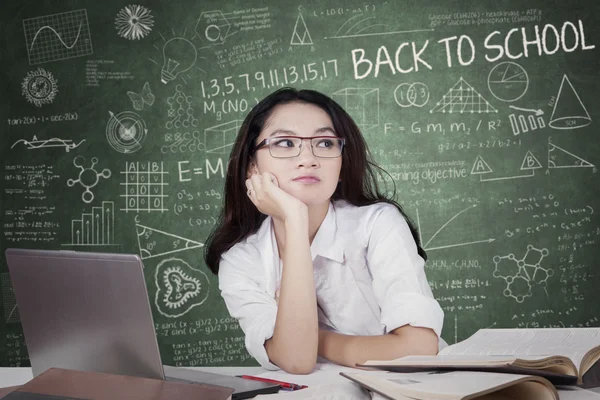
568, 112
462, 98
480, 167
301, 35
561, 158
154, 243
530, 162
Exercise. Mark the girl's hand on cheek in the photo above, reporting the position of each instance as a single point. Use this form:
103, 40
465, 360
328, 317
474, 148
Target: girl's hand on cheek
264, 192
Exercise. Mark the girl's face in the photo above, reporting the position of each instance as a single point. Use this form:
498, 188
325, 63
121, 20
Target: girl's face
310, 179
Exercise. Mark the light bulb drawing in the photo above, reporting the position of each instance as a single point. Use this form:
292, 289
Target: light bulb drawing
179, 55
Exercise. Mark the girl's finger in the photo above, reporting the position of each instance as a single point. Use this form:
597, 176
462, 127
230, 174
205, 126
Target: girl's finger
257, 187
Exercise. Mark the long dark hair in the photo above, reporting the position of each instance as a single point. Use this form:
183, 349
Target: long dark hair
239, 216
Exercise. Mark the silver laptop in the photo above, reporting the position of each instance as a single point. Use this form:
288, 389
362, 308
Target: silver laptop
90, 312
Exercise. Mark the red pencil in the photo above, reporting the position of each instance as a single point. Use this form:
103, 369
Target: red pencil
284, 385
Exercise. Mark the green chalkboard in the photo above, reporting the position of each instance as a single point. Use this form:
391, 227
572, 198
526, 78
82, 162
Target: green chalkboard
117, 121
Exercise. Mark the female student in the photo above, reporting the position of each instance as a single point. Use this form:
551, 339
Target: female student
312, 259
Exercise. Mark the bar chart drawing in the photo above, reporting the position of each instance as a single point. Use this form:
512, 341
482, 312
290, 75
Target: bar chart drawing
9, 301
96, 228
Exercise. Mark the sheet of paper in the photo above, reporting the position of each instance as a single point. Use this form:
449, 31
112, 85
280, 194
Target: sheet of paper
576, 393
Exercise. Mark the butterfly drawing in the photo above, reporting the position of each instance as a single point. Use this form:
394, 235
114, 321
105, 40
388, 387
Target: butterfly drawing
139, 99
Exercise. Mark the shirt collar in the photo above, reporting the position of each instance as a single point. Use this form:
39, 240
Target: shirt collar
326, 242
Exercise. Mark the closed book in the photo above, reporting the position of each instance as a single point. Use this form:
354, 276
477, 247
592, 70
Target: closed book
64, 384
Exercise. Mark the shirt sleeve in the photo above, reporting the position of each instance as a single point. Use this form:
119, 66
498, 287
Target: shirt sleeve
242, 287
399, 280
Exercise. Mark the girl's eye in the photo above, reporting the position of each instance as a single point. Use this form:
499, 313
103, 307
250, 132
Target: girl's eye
325, 143
284, 143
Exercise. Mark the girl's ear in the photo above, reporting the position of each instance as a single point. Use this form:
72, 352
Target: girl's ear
252, 169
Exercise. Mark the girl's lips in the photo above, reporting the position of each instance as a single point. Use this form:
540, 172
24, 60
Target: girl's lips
307, 179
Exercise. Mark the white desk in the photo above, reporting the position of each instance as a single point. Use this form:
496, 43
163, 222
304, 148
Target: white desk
322, 383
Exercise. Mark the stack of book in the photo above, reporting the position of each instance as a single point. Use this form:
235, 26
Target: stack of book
493, 364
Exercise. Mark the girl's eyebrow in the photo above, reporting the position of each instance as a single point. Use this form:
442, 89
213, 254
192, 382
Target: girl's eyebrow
288, 132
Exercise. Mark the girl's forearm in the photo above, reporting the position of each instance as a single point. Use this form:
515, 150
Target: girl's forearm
350, 350
294, 344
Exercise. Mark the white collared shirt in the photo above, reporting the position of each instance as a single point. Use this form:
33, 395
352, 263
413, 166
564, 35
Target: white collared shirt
369, 278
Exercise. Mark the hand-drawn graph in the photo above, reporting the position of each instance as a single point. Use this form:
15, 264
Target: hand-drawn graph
57, 36
96, 228
508, 81
362, 104
179, 287
39, 87
88, 177
126, 131
9, 301
155, 243
426, 244
462, 98
34, 143
301, 35
521, 275
144, 187
134, 22
359, 26
526, 122
561, 158
481, 168
569, 111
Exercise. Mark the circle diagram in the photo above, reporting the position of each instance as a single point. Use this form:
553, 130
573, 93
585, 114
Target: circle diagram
126, 131
508, 81
411, 94
39, 87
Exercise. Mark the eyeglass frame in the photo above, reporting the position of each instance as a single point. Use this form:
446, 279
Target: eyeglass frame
265, 143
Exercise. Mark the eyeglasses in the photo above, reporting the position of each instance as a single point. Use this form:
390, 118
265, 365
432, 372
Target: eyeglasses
291, 146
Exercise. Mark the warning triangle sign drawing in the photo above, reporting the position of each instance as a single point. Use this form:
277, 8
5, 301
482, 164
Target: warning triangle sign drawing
462, 98
568, 112
480, 167
154, 243
561, 158
301, 34
530, 162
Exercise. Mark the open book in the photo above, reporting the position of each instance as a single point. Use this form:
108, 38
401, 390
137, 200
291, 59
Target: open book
457, 385
563, 355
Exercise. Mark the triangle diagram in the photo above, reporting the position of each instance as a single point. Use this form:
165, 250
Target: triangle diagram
560, 158
530, 162
480, 167
568, 112
154, 243
462, 98
301, 34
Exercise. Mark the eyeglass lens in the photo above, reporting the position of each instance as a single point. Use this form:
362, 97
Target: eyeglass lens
291, 147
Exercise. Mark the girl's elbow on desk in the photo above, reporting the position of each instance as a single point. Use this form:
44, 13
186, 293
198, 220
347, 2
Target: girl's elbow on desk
416, 340
291, 363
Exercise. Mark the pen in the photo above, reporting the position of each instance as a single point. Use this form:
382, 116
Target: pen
283, 385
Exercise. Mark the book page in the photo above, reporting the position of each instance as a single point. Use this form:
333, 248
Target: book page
455, 359
449, 385
569, 342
